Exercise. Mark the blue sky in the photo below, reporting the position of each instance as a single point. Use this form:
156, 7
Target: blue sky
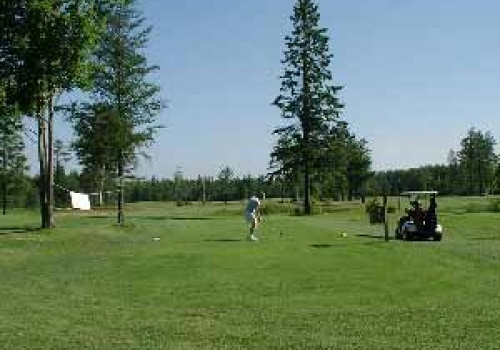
416, 73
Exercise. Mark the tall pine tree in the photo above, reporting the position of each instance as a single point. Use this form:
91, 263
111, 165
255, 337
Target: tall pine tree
123, 118
307, 96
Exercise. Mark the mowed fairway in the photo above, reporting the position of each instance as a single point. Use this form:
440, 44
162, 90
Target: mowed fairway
89, 284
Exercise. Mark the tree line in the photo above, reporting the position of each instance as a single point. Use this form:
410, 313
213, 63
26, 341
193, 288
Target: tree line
223, 187
472, 169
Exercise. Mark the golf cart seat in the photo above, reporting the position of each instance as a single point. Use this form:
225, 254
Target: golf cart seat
431, 216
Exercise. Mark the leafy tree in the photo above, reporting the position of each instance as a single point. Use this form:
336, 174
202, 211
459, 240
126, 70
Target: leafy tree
180, 186
285, 162
201, 188
122, 120
307, 96
226, 177
496, 180
12, 159
45, 47
96, 128
478, 160
358, 167
454, 177
331, 164
62, 155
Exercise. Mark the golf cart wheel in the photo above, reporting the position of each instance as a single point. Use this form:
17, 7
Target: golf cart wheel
438, 237
407, 236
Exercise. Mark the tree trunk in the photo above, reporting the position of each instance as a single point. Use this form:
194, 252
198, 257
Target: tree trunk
4, 179
4, 195
42, 148
306, 115
282, 190
101, 185
307, 170
307, 189
50, 164
121, 218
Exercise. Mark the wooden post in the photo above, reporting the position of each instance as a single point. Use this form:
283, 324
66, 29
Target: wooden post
4, 177
121, 218
386, 221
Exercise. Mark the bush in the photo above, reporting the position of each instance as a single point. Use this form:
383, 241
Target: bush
375, 211
494, 205
476, 208
277, 208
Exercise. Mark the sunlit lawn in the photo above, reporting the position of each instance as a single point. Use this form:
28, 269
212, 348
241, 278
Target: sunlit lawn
185, 278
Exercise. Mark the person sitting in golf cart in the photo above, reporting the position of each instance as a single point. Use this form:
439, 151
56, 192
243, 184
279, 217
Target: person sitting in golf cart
417, 213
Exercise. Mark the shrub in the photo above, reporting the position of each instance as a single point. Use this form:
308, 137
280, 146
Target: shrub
375, 211
270, 207
494, 205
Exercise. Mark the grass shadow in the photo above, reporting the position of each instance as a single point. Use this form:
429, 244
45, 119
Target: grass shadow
496, 238
17, 230
319, 246
153, 218
224, 240
373, 236
161, 218
342, 245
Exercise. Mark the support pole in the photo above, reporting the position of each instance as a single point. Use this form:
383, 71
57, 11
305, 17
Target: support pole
386, 220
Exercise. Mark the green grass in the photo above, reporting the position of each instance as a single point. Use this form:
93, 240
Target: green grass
90, 284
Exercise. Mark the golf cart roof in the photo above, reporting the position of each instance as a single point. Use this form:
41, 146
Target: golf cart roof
414, 193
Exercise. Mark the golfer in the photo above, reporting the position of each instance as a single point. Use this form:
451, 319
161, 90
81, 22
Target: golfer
252, 215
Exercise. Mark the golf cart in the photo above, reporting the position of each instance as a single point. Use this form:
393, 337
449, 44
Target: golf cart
419, 223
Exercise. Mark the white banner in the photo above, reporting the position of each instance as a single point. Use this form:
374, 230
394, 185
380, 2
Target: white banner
80, 201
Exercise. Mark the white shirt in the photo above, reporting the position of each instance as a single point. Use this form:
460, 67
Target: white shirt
252, 205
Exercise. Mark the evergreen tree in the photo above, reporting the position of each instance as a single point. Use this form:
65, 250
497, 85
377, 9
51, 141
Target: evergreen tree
307, 96
453, 173
478, 160
123, 118
226, 177
358, 167
62, 155
96, 128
